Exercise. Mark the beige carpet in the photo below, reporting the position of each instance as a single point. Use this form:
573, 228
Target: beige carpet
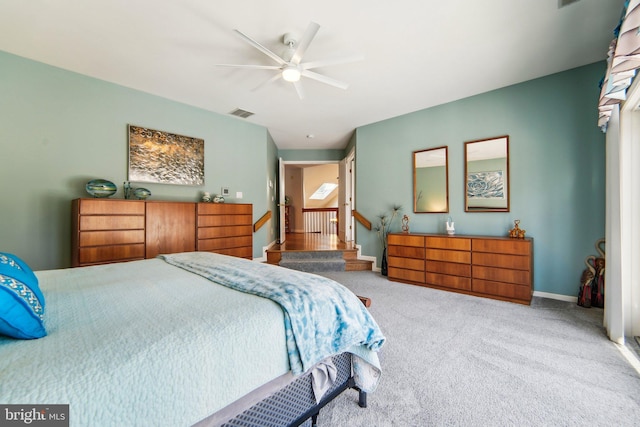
456, 360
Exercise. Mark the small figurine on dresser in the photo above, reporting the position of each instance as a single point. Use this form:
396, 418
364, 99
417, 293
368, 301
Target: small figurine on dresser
128, 191
516, 232
451, 230
405, 224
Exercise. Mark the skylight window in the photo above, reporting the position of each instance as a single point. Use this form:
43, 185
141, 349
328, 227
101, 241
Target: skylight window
323, 191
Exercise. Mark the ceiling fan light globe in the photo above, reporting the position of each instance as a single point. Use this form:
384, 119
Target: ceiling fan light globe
291, 74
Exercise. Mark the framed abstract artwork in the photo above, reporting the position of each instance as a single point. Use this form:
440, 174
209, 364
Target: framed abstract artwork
165, 158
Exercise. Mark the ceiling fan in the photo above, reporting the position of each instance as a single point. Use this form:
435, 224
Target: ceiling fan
290, 66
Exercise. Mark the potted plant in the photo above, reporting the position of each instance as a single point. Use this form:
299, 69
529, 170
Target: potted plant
385, 222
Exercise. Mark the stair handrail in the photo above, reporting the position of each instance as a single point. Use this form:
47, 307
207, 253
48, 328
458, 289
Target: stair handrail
262, 221
361, 219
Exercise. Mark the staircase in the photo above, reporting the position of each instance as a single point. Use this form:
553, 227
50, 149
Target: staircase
319, 260
313, 261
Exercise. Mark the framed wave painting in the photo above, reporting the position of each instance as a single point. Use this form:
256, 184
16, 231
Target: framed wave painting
165, 158
485, 185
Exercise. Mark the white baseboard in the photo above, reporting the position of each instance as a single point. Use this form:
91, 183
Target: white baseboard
559, 297
374, 267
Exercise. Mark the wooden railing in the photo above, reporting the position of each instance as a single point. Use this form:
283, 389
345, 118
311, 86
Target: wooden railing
361, 219
262, 221
333, 218
320, 220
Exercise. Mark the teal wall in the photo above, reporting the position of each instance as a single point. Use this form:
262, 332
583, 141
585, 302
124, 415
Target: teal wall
557, 168
311, 155
60, 129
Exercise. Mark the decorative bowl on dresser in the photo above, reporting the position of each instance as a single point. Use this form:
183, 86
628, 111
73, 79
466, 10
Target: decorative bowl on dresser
492, 267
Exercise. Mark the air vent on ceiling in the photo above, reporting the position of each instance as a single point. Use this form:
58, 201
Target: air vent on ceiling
563, 3
239, 112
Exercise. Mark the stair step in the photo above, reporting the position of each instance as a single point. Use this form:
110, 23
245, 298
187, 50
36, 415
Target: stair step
348, 258
311, 255
359, 265
314, 266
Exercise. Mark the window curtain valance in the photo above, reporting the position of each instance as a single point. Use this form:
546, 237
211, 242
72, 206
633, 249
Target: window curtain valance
623, 59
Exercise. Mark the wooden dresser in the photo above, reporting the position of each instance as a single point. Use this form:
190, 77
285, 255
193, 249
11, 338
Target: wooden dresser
114, 230
225, 229
493, 267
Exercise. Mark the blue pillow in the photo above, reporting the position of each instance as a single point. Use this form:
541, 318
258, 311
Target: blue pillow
21, 301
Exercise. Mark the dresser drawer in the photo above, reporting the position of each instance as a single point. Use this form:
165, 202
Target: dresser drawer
409, 275
405, 240
506, 290
224, 209
517, 262
518, 277
243, 252
504, 246
405, 251
111, 222
230, 231
447, 255
106, 238
224, 243
449, 268
457, 243
223, 220
408, 263
446, 281
110, 207
100, 254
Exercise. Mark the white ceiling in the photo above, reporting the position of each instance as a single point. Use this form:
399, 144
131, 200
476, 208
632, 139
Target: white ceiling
417, 53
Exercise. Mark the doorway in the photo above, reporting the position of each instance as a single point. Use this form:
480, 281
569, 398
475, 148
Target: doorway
315, 202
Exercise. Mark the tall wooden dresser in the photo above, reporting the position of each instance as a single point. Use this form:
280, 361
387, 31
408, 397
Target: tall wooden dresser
114, 230
493, 267
105, 230
225, 229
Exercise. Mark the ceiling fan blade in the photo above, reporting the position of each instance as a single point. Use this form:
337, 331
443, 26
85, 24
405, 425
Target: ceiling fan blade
304, 43
299, 89
255, 67
261, 48
333, 61
271, 80
325, 79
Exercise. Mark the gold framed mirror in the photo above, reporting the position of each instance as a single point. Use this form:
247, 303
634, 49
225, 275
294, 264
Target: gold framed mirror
431, 180
486, 171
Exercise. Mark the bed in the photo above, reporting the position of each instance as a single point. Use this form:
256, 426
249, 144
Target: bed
191, 339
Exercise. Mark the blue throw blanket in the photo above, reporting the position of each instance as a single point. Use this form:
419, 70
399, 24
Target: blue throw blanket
322, 317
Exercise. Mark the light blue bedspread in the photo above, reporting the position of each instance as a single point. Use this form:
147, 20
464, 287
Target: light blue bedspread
322, 317
143, 343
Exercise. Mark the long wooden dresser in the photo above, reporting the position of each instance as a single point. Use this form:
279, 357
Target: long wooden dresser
493, 267
114, 230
